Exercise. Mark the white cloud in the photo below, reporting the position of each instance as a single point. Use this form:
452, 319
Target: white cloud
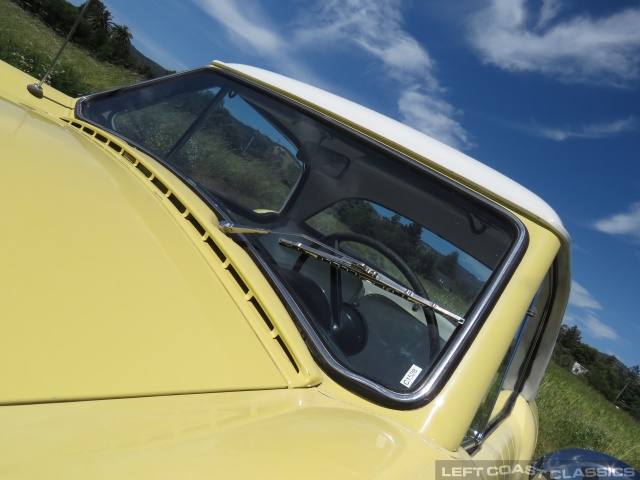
430, 114
627, 224
597, 329
584, 316
375, 27
548, 11
590, 324
581, 298
252, 29
581, 49
569, 319
370, 27
592, 131
247, 22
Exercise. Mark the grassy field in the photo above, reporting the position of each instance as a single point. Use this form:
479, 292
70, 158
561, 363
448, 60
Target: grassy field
29, 45
573, 415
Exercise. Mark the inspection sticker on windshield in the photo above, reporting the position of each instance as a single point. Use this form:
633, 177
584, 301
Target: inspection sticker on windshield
411, 376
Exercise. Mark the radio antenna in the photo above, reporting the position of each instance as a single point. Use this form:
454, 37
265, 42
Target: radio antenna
35, 89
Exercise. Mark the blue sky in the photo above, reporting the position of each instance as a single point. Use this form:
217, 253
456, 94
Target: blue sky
546, 92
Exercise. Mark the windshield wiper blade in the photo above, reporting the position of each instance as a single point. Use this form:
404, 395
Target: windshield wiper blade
363, 271
346, 263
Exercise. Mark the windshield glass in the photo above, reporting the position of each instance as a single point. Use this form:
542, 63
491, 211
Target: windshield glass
270, 164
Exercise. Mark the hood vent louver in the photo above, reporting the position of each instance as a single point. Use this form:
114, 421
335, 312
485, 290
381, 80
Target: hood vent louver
199, 228
145, 171
213, 246
177, 203
238, 279
159, 185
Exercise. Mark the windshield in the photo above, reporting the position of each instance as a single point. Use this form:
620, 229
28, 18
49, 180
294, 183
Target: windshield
270, 164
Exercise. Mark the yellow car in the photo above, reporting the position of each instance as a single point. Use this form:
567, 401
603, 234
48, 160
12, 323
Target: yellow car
226, 273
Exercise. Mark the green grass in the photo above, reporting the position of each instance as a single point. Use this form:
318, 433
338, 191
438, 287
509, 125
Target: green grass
573, 415
28, 44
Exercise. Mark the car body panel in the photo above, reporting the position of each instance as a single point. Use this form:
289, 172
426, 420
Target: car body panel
87, 239
513, 439
283, 434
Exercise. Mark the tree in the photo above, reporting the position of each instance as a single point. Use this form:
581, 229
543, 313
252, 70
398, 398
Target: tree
449, 264
414, 230
101, 20
121, 34
584, 354
604, 378
570, 338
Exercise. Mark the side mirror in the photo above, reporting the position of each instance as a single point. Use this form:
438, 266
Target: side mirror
576, 463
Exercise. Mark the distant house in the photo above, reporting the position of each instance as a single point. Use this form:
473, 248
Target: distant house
578, 369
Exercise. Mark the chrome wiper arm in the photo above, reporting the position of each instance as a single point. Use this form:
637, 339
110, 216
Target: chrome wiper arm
346, 263
371, 275
228, 227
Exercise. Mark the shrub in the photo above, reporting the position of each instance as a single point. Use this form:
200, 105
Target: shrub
64, 77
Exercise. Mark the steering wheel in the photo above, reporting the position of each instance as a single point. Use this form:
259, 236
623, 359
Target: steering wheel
347, 327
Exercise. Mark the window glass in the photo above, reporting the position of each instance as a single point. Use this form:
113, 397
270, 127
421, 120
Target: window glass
212, 134
486, 411
513, 369
179, 112
398, 335
532, 331
452, 277
237, 153
417, 254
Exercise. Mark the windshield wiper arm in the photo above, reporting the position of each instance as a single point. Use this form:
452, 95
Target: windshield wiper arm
228, 227
346, 263
371, 275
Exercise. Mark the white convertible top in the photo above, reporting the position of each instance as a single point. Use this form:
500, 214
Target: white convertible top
442, 155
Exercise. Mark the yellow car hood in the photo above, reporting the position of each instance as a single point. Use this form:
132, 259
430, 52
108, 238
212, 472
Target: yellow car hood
102, 293
294, 433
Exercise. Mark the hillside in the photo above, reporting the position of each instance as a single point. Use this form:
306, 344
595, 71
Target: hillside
573, 415
156, 69
28, 44
604, 373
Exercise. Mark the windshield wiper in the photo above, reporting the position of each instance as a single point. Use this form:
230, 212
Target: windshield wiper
345, 262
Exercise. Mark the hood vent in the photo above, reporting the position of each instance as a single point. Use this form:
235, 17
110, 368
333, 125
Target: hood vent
199, 228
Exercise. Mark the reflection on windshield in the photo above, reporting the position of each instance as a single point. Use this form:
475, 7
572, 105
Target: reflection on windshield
452, 284
273, 166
